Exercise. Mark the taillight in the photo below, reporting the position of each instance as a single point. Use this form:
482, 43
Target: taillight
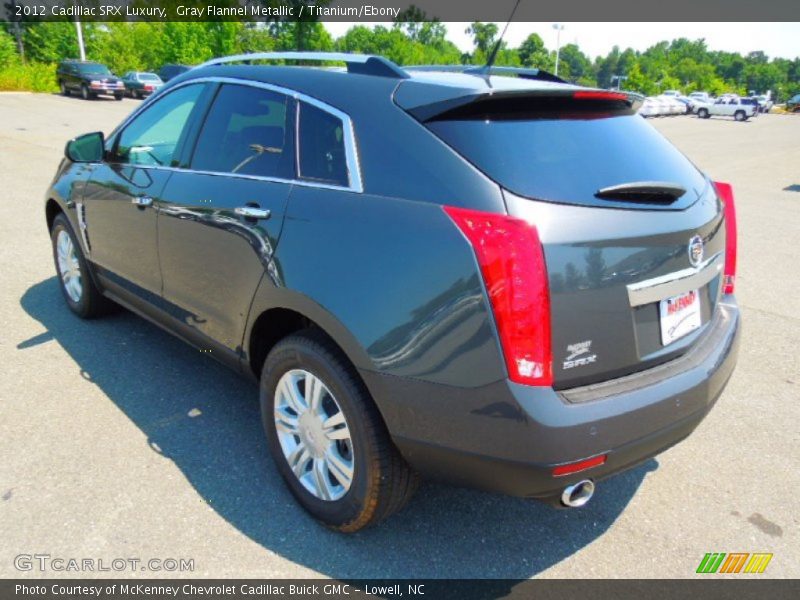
511, 260
725, 192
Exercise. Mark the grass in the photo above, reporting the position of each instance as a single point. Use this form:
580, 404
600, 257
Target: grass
29, 77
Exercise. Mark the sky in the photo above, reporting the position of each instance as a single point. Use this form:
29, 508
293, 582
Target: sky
597, 39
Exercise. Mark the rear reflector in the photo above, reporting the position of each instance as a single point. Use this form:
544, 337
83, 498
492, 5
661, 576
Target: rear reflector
512, 264
725, 192
576, 467
600, 95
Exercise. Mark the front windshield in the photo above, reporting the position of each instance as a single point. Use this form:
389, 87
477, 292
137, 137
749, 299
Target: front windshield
94, 69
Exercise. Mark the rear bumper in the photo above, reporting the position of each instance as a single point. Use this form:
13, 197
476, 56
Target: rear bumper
507, 437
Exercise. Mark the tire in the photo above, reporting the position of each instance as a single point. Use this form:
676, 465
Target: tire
739, 115
64, 88
703, 113
85, 93
85, 300
118, 97
380, 482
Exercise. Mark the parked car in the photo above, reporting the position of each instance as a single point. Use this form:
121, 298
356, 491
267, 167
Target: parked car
752, 101
765, 103
703, 97
139, 84
793, 103
740, 109
649, 107
521, 304
688, 104
674, 106
167, 72
89, 79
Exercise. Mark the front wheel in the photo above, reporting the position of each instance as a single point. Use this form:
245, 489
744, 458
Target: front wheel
118, 97
82, 296
703, 113
327, 438
64, 88
85, 93
739, 115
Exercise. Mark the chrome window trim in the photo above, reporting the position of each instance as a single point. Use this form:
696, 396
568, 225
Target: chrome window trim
672, 284
355, 183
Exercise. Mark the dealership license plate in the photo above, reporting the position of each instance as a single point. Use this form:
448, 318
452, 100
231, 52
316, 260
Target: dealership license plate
679, 315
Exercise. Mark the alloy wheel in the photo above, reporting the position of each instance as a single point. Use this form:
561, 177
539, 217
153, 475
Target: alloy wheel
313, 434
69, 267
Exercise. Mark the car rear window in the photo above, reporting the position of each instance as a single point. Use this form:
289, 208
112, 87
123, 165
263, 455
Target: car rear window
93, 69
565, 151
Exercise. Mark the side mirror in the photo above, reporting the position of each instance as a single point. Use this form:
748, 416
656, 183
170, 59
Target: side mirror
89, 147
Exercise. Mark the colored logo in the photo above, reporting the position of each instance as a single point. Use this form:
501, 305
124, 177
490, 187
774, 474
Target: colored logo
696, 250
734, 562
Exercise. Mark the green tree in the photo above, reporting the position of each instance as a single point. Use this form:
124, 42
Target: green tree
8, 49
532, 52
483, 36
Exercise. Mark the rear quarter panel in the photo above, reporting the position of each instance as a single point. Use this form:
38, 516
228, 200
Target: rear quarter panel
393, 281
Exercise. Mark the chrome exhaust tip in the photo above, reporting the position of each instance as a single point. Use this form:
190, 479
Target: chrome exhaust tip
578, 494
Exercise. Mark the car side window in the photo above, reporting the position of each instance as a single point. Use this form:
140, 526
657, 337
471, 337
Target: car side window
151, 139
321, 145
248, 131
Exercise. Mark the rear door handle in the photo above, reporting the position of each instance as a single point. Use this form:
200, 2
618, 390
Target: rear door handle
252, 212
142, 201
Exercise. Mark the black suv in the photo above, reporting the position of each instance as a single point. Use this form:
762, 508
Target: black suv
168, 72
89, 79
501, 281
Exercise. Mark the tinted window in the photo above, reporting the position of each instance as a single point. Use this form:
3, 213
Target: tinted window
93, 69
568, 151
247, 131
322, 154
148, 77
152, 137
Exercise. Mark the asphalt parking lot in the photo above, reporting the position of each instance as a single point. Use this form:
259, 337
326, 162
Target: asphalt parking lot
119, 441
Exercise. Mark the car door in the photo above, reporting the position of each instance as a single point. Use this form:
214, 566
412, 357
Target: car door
219, 221
118, 212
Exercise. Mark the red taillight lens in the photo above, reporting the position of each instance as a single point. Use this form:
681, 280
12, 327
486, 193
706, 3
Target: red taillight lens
577, 467
725, 192
512, 263
600, 95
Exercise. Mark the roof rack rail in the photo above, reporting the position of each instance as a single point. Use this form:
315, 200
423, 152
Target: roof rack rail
364, 64
522, 72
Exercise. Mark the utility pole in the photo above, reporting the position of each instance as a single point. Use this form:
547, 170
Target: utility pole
81, 49
559, 29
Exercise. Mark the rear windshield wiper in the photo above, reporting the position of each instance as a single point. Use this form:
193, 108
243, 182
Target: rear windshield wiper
643, 191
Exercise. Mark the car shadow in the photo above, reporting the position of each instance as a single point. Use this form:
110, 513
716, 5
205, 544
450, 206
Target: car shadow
205, 419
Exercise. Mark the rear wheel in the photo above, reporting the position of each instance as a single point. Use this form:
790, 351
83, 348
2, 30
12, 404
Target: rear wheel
119, 96
82, 296
327, 437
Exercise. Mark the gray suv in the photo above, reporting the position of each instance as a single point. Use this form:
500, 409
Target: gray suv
484, 276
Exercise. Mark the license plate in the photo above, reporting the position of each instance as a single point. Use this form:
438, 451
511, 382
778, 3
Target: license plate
679, 315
